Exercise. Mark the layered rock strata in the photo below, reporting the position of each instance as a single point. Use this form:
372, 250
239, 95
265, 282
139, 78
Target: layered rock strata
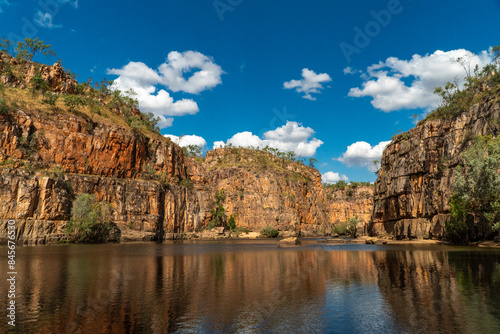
417, 173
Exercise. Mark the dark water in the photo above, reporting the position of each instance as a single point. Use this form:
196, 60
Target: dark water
254, 287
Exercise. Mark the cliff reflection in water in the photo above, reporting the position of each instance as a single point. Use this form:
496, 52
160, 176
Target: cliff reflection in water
442, 291
255, 287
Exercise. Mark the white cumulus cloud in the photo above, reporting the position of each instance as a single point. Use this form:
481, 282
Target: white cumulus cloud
363, 154
331, 177
187, 140
311, 83
144, 81
45, 20
218, 144
349, 70
245, 139
177, 64
397, 84
290, 137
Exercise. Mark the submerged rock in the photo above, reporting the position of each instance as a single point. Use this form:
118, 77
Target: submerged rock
289, 242
333, 241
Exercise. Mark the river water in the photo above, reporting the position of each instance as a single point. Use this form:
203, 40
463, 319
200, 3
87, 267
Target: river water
253, 287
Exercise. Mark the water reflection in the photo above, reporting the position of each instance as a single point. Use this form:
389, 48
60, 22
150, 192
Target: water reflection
254, 287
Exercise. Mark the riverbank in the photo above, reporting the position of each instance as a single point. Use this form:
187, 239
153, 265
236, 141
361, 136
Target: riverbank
219, 233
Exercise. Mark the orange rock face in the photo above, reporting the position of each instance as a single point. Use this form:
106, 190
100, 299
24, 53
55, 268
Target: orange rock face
416, 177
47, 158
57, 79
346, 204
262, 190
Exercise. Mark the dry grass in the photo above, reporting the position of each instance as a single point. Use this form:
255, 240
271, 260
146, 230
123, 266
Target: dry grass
26, 101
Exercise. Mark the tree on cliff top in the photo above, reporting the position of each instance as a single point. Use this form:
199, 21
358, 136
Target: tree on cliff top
455, 99
192, 150
26, 49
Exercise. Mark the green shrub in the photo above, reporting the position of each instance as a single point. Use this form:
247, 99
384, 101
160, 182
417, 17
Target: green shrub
89, 220
347, 228
219, 217
211, 224
51, 98
149, 172
28, 167
73, 102
242, 230
476, 192
340, 228
457, 229
56, 172
79, 89
4, 108
269, 232
38, 83
339, 185
187, 183
231, 223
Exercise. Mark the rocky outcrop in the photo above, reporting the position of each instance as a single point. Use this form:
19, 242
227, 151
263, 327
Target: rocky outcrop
416, 177
48, 158
77, 145
153, 189
58, 80
142, 210
51, 153
289, 242
350, 203
261, 190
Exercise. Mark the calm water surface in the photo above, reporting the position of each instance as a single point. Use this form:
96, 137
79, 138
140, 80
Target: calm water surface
254, 287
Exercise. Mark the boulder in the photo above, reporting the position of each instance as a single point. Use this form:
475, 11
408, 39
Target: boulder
289, 242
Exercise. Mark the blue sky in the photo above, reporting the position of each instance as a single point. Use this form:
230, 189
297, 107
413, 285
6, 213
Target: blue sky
223, 66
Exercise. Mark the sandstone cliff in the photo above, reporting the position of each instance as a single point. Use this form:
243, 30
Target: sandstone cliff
416, 177
50, 153
262, 190
63, 157
348, 203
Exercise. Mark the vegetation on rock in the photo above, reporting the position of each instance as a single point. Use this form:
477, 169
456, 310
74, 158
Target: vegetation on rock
350, 191
476, 195
89, 220
192, 150
88, 99
269, 232
219, 217
347, 228
479, 85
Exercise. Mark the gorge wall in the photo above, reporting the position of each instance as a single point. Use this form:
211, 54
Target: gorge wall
64, 156
50, 153
47, 159
416, 178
